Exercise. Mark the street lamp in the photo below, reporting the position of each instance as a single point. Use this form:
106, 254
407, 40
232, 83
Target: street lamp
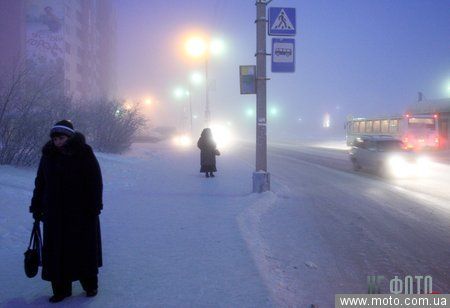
273, 111
198, 47
179, 92
249, 112
148, 101
217, 47
196, 78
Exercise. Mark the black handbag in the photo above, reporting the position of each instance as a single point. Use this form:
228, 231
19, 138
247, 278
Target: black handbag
33, 254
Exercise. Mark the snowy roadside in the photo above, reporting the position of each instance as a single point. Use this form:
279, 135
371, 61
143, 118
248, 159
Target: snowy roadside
170, 236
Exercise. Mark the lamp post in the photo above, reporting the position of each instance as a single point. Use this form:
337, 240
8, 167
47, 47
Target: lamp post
196, 78
198, 47
207, 111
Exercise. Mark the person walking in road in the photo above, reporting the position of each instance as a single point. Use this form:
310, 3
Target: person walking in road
208, 152
67, 198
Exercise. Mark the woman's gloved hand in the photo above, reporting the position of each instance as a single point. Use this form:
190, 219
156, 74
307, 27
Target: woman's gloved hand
38, 216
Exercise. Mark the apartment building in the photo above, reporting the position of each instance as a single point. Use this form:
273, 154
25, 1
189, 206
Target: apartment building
75, 40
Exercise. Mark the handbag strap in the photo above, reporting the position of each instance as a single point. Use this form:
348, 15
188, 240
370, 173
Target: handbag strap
31, 238
35, 238
38, 242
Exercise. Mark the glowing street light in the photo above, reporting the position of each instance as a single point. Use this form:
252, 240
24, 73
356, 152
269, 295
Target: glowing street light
148, 101
273, 111
180, 93
198, 47
217, 47
196, 78
249, 112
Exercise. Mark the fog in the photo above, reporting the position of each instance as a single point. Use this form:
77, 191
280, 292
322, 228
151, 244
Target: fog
360, 58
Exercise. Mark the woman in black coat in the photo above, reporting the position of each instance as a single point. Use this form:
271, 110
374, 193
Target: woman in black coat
68, 199
208, 152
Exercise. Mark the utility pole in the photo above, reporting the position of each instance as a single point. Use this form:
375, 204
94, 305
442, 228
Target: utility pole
207, 111
261, 178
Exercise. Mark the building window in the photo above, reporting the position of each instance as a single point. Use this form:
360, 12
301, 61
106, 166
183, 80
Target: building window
79, 16
393, 126
68, 11
67, 48
368, 126
80, 53
362, 127
376, 126
384, 126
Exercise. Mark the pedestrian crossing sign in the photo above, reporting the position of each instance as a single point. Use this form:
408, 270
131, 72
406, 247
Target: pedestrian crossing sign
282, 21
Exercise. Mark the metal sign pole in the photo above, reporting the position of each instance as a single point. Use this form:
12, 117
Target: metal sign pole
261, 178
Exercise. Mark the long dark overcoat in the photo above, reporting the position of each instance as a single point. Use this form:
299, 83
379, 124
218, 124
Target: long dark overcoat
208, 152
68, 193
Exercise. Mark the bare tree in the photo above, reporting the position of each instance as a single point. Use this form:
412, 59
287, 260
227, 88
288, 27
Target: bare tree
32, 99
112, 126
26, 103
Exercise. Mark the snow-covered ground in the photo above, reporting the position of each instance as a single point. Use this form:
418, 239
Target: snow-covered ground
171, 237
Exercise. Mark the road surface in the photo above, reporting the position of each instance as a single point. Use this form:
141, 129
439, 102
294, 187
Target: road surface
333, 227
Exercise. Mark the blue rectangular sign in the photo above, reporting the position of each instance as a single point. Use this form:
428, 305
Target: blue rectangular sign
283, 55
282, 21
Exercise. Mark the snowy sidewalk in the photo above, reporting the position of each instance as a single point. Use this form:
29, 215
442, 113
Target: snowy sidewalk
171, 238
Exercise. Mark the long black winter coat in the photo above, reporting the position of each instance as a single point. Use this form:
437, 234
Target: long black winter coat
208, 152
68, 193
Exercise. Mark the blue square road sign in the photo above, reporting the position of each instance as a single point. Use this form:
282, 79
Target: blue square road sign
282, 21
283, 55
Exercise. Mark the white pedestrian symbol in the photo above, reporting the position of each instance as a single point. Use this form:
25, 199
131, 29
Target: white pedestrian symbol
282, 22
